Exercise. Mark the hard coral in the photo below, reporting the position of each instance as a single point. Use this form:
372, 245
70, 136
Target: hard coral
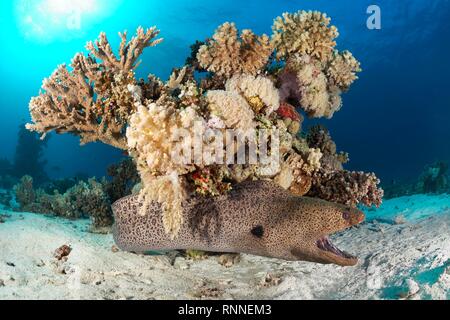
229, 53
156, 121
129, 52
319, 137
342, 68
349, 188
434, 178
304, 32
92, 100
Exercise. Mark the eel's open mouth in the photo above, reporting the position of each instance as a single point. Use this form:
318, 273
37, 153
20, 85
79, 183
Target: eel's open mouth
325, 244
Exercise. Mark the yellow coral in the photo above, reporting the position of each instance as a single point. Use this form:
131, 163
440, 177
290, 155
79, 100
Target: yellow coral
228, 53
256, 103
304, 32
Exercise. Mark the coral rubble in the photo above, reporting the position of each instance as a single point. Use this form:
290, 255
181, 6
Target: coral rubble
245, 82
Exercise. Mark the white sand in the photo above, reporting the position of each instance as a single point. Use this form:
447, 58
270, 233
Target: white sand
410, 260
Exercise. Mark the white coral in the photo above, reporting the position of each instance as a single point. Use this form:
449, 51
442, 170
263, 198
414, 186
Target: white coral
314, 157
250, 86
318, 97
169, 192
152, 141
342, 69
232, 108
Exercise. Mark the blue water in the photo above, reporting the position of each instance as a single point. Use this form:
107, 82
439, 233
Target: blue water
394, 121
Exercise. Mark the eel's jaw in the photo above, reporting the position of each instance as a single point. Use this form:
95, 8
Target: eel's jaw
329, 252
333, 254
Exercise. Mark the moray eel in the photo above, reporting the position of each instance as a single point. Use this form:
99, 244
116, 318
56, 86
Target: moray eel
256, 218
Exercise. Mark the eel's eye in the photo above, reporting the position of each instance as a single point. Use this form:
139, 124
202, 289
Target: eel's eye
258, 231
346, 215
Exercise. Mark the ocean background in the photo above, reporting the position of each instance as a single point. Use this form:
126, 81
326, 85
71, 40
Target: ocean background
395, 118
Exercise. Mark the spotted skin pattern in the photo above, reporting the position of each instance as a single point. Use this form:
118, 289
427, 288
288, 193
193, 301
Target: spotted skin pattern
256, 217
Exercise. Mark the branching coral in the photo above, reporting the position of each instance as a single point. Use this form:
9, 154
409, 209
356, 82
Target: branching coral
129, 52
159, 123
319, 137
229, 53
304, 32
92, 101
342, 69
349, 188
315, 74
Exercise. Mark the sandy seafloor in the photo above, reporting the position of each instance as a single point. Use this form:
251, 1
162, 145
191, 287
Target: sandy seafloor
404, 251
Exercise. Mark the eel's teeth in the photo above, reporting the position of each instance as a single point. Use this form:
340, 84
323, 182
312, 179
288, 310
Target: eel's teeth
326, 245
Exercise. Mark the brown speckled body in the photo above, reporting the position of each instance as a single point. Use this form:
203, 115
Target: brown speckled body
255, 218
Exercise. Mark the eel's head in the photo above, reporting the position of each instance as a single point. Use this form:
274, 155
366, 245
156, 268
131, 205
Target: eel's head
310, 226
